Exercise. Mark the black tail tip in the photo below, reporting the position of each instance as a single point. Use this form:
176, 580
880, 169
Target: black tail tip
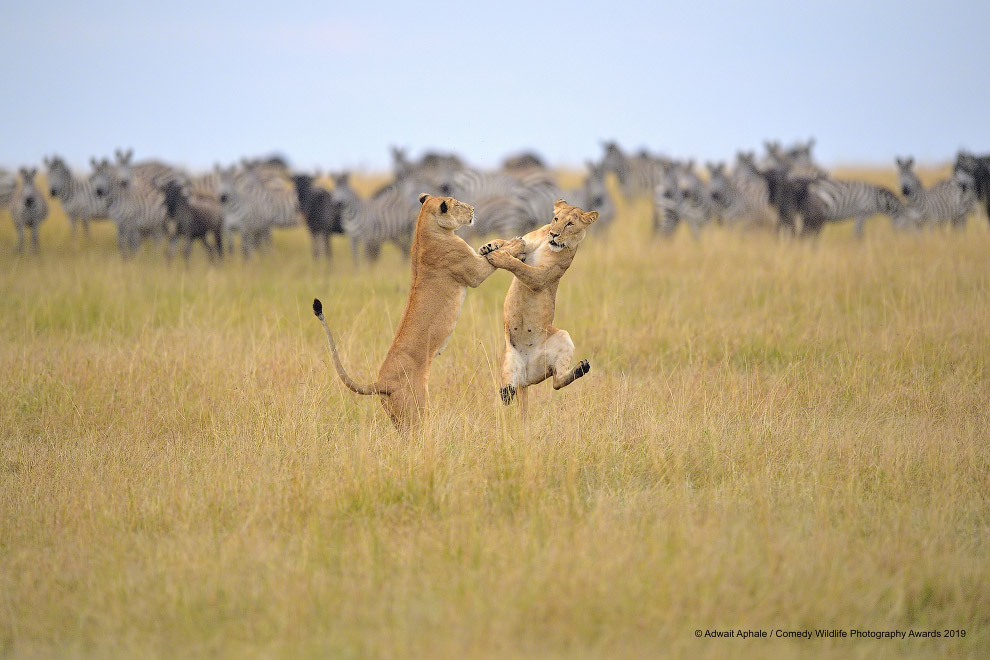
317, 307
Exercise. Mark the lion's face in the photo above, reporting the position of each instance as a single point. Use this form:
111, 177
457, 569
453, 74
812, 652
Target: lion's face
447, 211
567, 229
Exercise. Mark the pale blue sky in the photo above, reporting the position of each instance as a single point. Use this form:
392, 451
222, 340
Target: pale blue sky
335, 84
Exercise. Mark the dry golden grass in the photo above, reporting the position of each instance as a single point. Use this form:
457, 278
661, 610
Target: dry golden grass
773, 435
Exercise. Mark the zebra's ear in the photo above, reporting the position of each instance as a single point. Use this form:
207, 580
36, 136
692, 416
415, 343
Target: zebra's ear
423, 197
909, 161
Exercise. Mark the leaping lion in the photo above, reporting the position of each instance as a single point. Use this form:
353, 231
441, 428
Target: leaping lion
534, 349
443, 266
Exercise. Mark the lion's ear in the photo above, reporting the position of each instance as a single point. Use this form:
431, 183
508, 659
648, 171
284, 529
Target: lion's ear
423, 197
559, 203
590, 217
443, 206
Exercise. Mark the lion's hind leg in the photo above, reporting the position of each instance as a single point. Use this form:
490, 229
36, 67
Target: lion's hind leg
558, 351
513, 372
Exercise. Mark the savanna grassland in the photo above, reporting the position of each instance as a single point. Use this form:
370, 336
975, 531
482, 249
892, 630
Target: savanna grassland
774, 435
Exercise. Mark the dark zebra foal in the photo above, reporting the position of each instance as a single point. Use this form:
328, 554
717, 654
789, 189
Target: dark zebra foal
192, 218
321, 211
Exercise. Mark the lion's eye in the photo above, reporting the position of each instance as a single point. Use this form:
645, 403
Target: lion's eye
568, 225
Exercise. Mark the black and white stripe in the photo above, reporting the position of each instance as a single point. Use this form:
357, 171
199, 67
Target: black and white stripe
947, 202
28, 208
77, 196
135, 206
254, 201
740, 199
843, 200
390, 216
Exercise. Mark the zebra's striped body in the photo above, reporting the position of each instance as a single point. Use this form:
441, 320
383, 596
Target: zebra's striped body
135, 207
505, 205
843, 200
947, 202
682, 196
28, 208
638, 176
8, 184
740, 199
254, 202
77, 196
388, 217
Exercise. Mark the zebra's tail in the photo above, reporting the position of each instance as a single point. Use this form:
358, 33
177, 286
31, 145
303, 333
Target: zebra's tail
373, 388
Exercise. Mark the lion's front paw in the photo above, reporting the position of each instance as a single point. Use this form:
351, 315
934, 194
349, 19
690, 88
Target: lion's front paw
499, 258
583, 367
508, 393
488, 248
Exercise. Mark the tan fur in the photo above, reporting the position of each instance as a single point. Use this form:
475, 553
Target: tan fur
534, 348
443, 265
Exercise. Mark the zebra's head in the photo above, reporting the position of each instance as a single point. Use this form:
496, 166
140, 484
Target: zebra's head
29, 196
909, 182
227, 187
103, 178
58, 176
718, 184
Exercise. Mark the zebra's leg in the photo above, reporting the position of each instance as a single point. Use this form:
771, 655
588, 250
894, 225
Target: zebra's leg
327, 249
187, 248
355, 247
85, 224
860, 221
372, 250
20, 238
35, 245
170, 250
316, 245
218, 243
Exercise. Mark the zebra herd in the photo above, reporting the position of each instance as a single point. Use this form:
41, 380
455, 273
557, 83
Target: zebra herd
785, 189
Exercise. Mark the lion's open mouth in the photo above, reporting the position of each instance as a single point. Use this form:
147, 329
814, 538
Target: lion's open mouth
554, 244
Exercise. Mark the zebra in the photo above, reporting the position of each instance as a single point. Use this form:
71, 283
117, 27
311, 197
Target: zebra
390, 216
254, 201
525, 160
28, 208
638, 176
155, 174
136, 207
8, 184
740, 199
321, 211
434, 173
681, 195
594, 195
78, 197
948, 201
796, 159
977, 170
504, 204
842, 200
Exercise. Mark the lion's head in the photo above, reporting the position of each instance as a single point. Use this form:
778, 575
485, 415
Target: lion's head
567, 229
448, 212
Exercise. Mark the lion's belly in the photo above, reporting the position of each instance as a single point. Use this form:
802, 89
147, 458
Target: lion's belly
453, 322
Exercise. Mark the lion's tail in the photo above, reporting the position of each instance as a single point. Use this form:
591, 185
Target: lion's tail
348, 381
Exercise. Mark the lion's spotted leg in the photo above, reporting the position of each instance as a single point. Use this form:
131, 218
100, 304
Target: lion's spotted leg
559, 350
